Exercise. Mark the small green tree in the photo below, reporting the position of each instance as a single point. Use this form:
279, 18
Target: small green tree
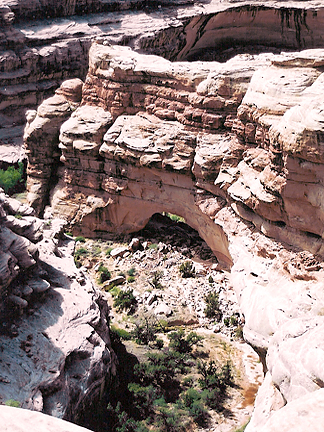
104, 273
11, 177
144, 332
125, 300
155, 282
212, 309
183, 344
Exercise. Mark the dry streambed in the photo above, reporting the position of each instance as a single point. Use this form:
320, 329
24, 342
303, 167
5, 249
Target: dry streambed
148, 266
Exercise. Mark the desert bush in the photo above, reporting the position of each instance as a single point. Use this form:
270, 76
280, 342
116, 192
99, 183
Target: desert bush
155, 282
79, 254
108, 250
11, 177
159, 343
153, 246
120, 333
131, 271
104, 273
131, 279
125, 300
80, 239
13, 403
187, 269
184, 344
144, 332
212, 309
174, 217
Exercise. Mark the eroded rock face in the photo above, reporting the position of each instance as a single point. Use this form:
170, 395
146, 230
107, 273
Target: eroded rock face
208, 128
39, 52
208, 141
55, 346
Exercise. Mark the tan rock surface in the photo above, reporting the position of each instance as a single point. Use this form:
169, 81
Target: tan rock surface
201, 142
17, 419
55, 346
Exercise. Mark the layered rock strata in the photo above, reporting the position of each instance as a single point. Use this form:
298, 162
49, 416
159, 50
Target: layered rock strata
206, 130
234, 148
38, 54
55, 346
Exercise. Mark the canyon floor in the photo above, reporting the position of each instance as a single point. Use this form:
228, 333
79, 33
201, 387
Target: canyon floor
177, 302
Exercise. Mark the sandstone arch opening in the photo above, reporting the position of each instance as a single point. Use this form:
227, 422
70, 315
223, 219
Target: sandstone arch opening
176, 232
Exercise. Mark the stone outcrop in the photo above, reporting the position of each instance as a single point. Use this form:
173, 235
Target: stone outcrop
38, 53
42, 139
14, 419
55, 346
204, 130
227, 147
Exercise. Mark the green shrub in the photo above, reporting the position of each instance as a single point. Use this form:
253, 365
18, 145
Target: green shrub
214, 381
121, 333
187, 269
79, 254
156, 278
131, 271
227, 321
182, 344
190, 396
210, 279
174, 217
18, 216
131, 279
125, 300
11, 177
104, 273
144, 332
238, 332
159, 343
234, 320
96, 251
212, 309
114, 291
13, 403
108, 250
80, 239
153, 246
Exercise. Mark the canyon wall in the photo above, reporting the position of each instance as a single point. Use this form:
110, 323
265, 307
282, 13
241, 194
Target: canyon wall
55, 347
236, 149
39, 52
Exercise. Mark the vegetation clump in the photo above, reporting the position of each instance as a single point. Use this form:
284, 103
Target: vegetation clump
155, 281
13, 403
104, 273
79, 254
120, 333
187, 269
125, 300
212, 309
158, 400
80, 239
11, 178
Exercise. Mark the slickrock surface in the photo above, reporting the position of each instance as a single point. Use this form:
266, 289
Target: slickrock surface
17, 419
55, 346
209, 142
